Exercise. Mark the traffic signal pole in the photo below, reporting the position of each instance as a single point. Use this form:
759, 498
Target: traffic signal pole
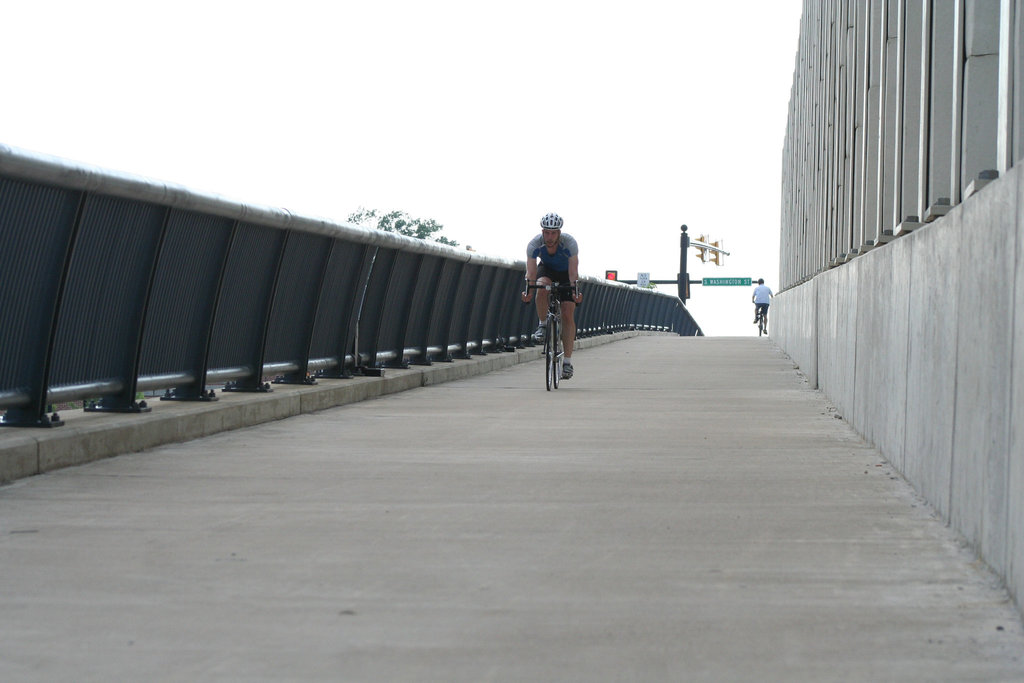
683, 279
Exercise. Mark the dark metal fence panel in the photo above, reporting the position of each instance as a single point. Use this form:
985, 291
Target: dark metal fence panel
592, 295
338, 307
476, 332
634, 311
614, 307
99, 326
526, 322
243, 312
37, 227
628, 310
601, 312
182, 306
293, 313
371, 315
462, 308
505, 306
424, 305
660, 311
441, 334
645, 317
398, 307
617, 310
685, 324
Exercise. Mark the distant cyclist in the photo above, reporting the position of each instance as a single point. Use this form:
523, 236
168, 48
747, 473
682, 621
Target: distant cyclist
761, 298
559, 262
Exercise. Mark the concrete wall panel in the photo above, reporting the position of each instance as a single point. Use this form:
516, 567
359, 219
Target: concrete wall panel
826, 330
881, 340
837, 328
1015, 450
931, 358
984, 327
793, 328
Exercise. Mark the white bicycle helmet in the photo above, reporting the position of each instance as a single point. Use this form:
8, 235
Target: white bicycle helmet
551, 221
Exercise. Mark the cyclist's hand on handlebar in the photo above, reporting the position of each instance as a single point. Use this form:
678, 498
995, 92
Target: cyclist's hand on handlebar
577, 295
527, 293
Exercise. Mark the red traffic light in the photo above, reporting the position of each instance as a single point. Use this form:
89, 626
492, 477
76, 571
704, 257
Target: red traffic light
611, 275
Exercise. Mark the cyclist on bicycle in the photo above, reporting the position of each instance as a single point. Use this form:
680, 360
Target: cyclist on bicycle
761, 298
559, 262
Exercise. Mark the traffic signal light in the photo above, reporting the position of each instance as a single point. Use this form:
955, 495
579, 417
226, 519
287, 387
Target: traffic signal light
717, 257
702, 251
611, 275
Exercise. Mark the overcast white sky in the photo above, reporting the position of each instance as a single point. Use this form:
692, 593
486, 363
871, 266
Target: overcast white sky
628, 119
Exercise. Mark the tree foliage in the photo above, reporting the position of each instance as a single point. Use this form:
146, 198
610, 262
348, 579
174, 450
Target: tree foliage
402, 223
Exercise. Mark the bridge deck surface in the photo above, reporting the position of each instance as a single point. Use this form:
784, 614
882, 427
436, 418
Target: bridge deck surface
682, 509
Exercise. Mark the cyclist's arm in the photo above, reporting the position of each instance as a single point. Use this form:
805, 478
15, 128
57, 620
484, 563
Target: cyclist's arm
531, 270
574, 277
531, 277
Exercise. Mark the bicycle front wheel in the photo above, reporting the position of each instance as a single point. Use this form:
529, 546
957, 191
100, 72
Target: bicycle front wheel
556, 352
549, 356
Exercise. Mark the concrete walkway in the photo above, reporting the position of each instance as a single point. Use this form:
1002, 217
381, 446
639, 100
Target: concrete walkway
682, 509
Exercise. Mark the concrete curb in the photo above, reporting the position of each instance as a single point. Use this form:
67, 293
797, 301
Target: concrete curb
86, 437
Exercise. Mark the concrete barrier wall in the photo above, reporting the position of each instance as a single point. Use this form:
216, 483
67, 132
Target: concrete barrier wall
798, 337
899, 109
918, 345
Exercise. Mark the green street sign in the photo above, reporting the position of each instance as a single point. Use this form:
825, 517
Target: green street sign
726, 281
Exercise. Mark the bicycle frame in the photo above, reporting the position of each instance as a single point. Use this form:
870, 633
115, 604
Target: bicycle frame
762, 322
553, 351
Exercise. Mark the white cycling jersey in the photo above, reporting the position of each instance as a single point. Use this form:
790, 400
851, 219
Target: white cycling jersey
762, 295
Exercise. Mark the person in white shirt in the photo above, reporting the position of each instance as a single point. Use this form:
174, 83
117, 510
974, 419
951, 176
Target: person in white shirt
761, 298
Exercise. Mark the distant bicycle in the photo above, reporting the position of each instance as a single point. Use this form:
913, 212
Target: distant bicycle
762, 320
761, 298
553, 352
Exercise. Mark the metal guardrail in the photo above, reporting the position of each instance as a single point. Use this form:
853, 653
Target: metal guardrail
114, 284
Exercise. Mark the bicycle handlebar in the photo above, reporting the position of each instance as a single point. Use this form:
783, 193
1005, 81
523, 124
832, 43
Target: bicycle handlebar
573, 290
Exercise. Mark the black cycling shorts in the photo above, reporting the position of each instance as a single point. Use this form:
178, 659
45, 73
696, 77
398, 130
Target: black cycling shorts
760, 308
553, 275
559, 276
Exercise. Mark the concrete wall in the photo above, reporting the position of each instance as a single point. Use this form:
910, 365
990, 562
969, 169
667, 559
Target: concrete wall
898, 110
918, 345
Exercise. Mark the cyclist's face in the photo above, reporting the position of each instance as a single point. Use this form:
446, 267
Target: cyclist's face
551, 237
